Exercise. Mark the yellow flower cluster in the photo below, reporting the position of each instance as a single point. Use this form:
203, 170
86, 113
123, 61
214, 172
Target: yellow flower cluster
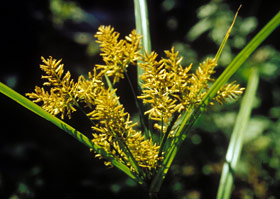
60, 99
88, 89
113, 129
164, 80
168, 88
227, 92
115, 133
117, 54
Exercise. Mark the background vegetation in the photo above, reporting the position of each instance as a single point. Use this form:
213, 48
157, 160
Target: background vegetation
34, 165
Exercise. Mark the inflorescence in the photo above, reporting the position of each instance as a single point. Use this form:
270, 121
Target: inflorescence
168, 88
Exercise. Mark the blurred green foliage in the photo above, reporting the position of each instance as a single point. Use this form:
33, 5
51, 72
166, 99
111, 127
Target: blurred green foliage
64, 12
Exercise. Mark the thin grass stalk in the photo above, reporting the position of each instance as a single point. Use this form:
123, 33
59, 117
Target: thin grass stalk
126, 150
172, 151
142, 28
218, 54
166, 134
236, 140
142, 23
242, 57
110, 86
146, 130
67, 128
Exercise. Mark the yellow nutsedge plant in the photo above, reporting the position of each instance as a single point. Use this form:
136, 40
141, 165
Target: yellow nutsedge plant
169, 92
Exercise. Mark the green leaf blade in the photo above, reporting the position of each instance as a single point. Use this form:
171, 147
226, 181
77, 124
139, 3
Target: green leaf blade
65, 127
191, 116
142, 28
242, 57
236, 140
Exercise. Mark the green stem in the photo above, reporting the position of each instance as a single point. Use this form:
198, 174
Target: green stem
142, 28
147, 132
126, 150
110, 86
236, 140
174, 148
226, 38
169, 128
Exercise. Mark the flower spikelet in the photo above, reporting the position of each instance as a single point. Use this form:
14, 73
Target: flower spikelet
228, 92
54, 101
60, 100
199, 80
88, 89
55, 74
168, 87
114, 126
117, 54
156, 89
180, 78
164, 82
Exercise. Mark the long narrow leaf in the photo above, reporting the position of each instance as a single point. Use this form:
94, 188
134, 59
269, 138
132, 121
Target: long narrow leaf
142, 23
236, 140
242, 57
190, 117
128, 153
142, 28
67, 128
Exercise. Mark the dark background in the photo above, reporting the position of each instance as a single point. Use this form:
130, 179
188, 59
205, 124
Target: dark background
38, 160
